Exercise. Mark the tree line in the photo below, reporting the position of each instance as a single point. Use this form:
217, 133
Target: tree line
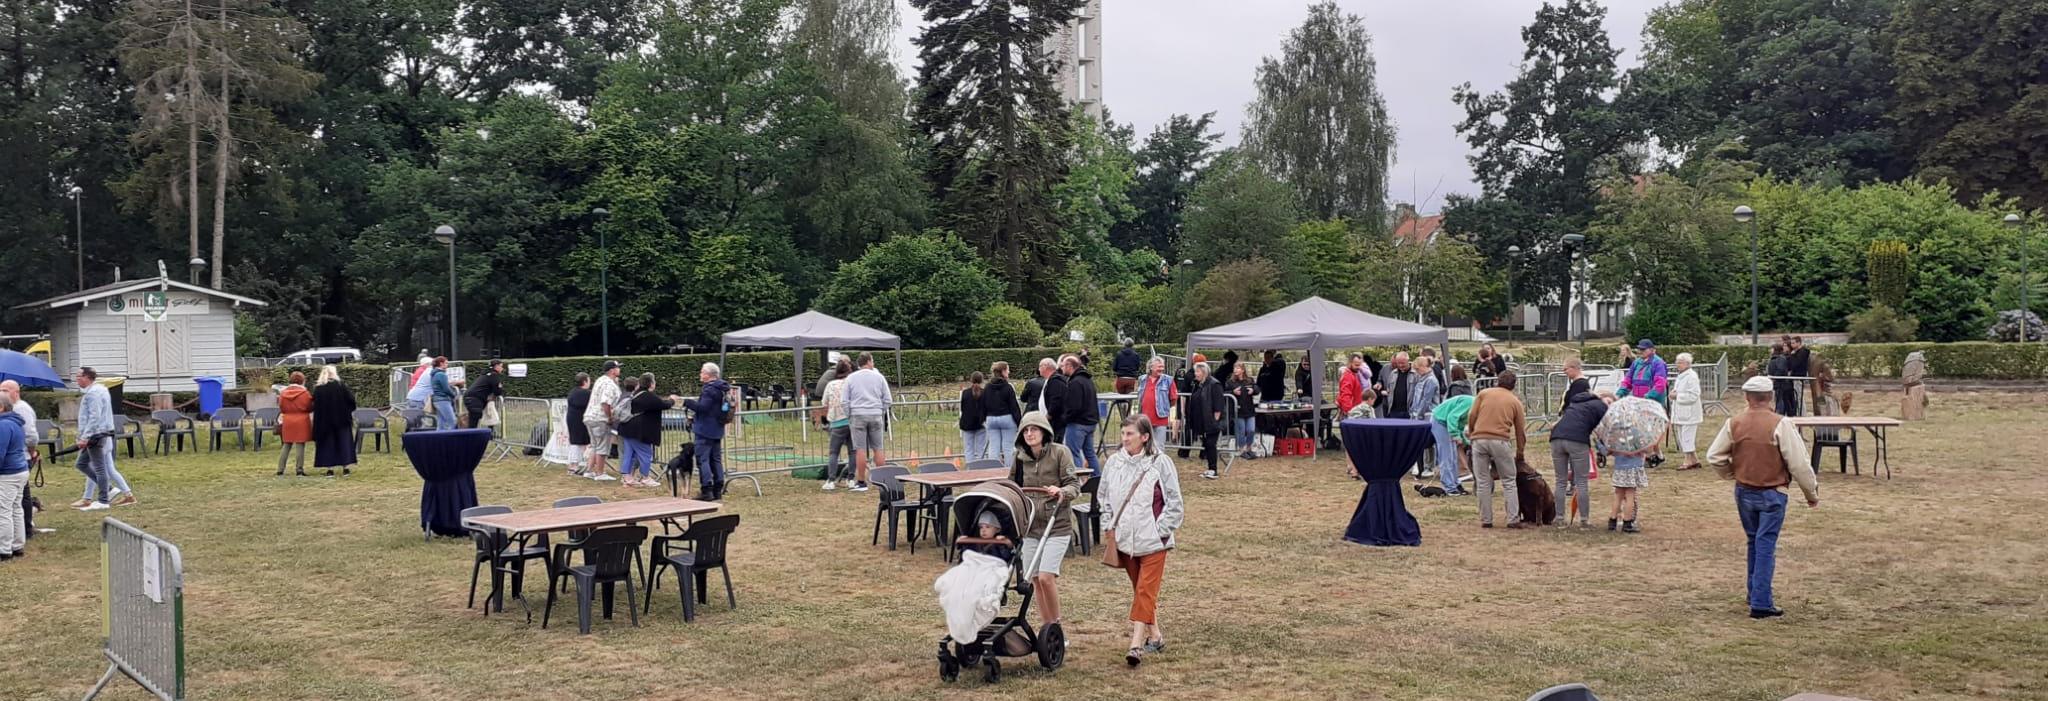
720, 163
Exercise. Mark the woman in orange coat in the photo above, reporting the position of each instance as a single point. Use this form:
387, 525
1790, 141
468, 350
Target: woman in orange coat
295, 421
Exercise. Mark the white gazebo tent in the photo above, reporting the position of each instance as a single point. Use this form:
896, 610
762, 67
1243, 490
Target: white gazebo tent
1318, 325
812, 329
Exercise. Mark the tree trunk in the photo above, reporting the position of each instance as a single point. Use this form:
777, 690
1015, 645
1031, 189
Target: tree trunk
193, 88
223, 151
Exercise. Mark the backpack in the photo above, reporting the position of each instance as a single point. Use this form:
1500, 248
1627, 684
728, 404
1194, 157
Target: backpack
622, 410
731, 405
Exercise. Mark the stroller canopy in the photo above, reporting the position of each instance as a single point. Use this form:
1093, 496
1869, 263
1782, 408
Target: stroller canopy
1003, 497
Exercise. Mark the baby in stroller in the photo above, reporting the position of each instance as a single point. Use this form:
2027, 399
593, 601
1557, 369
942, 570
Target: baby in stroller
973, 593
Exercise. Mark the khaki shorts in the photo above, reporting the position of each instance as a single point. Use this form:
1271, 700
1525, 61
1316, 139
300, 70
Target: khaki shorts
600, 437
1049, 558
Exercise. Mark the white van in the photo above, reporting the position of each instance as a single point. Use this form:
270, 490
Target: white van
324, 356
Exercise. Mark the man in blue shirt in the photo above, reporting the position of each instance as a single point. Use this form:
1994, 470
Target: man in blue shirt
709, 410
95, 438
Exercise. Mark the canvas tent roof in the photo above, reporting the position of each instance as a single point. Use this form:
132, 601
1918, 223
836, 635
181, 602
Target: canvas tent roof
1317, 323
811, 329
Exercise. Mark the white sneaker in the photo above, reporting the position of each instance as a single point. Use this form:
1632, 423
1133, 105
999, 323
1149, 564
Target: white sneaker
95, 506
604, 478
828, 486
857, 487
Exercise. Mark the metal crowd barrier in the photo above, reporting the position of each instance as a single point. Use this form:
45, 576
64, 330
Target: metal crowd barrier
524, 424
769, 441
142, 602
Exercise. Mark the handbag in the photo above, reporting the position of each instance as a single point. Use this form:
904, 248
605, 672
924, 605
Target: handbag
1110, 556
490, 417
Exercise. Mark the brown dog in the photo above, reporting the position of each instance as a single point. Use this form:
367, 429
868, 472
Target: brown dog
1539, 505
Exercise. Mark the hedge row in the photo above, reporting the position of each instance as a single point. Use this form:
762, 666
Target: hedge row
552, 377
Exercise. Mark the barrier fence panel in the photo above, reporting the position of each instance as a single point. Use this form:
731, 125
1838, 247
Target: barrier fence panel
769, 441
142, 603
523, 425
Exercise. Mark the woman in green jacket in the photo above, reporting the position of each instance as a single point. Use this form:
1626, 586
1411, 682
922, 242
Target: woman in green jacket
1046, 472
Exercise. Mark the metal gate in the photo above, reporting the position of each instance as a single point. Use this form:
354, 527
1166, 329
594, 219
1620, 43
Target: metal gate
142, 602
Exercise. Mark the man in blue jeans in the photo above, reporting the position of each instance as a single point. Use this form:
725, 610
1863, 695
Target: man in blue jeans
1763, 452
709, 411
1081, 412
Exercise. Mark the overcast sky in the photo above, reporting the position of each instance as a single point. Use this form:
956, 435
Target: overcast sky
1162, 57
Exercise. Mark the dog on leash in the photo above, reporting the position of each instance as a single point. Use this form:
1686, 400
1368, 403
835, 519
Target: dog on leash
1539, 504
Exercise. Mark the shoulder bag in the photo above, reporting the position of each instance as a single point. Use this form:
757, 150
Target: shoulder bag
1110, 556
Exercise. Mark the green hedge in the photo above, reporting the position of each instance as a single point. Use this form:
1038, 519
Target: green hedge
551, 377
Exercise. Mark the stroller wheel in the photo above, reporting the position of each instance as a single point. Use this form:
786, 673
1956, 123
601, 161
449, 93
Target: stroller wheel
995, 671
1052, 647
949, 670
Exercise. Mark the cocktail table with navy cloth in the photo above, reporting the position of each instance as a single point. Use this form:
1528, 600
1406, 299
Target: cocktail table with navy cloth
1383, 450
447, 461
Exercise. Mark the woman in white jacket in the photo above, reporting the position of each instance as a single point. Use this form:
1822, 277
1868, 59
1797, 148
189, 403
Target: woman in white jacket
1686, 411
1141, 487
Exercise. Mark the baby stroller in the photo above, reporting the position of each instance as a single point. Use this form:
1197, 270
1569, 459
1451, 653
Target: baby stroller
1004, 636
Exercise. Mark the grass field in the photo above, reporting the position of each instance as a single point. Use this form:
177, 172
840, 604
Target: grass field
1928, 586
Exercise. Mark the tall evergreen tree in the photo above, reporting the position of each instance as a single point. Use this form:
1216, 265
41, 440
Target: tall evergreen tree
1319, 123
998, 133
1168, 163
1973, 94
1541, 146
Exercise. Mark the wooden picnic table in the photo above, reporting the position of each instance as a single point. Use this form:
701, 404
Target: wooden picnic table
936, 484
528, 523
1876, 425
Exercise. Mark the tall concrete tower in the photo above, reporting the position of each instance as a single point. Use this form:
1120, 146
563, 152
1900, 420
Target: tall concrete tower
1077, 50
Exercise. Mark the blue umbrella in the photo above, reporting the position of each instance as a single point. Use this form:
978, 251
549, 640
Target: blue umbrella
27, 369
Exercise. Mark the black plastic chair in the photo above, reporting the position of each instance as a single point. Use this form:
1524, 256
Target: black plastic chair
706, 541
985, 465
567, 549
371, 423
418, 419
780, 397
1087, 520
130, 433
266, 423
939, 497
890, 503
227, 421
493, 548
170, 423
49, 435
1844, 442
609, 554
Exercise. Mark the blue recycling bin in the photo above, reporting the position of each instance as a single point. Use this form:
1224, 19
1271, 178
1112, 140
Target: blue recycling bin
209, 394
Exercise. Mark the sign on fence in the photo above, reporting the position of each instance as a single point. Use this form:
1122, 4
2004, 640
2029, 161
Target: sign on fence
142, 606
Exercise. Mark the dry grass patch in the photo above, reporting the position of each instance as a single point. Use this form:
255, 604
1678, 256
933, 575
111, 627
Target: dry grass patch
1926, 586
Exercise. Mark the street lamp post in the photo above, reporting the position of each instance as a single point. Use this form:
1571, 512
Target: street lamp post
1571, 245
1514, 253
445, 235
1745, 215
604, 288
198, 265
78, 219
2012, 221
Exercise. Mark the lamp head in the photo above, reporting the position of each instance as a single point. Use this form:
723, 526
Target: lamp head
1744, 214
2012, 220
601, 212
1573, 239
445, 235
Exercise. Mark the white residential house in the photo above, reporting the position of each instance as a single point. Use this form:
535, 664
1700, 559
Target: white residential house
1591, 314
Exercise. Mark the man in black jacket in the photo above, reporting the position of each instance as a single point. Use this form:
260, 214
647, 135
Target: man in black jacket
483, 390
1044, 393
1081, 414
1127, 366
1273, 378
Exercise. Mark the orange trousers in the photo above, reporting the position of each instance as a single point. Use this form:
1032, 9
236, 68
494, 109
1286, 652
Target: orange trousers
1145, 572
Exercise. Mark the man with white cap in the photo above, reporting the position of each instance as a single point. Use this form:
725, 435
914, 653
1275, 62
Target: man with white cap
1762, 452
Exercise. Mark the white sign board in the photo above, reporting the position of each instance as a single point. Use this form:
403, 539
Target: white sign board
516, 369
457, 373
157, 304
152, 572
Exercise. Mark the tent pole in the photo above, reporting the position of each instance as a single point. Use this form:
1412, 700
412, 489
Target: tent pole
1315, 399
803, 398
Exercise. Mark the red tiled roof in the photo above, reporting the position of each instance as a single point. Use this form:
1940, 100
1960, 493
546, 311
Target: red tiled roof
1419, 229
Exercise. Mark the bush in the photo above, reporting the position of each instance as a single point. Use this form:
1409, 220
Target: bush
1888, 274
1881, 324
1232, 292
1004, 325
2008, 328
925, 288
1666, 321
1143, 313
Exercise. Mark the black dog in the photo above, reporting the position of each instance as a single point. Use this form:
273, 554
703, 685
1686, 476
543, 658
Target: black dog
1430, 490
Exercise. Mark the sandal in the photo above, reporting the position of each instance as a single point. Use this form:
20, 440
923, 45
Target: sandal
1156, 646
1136, 655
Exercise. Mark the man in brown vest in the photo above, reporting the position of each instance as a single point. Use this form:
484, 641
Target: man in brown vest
1762, 452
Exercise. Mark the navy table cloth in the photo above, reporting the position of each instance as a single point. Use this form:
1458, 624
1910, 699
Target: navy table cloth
1383, 450
447, 461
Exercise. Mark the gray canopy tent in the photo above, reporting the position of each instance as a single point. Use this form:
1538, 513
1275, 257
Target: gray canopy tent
1317, 326
812, 329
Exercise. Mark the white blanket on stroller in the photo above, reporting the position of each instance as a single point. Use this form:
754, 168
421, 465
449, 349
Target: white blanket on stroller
971, 593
